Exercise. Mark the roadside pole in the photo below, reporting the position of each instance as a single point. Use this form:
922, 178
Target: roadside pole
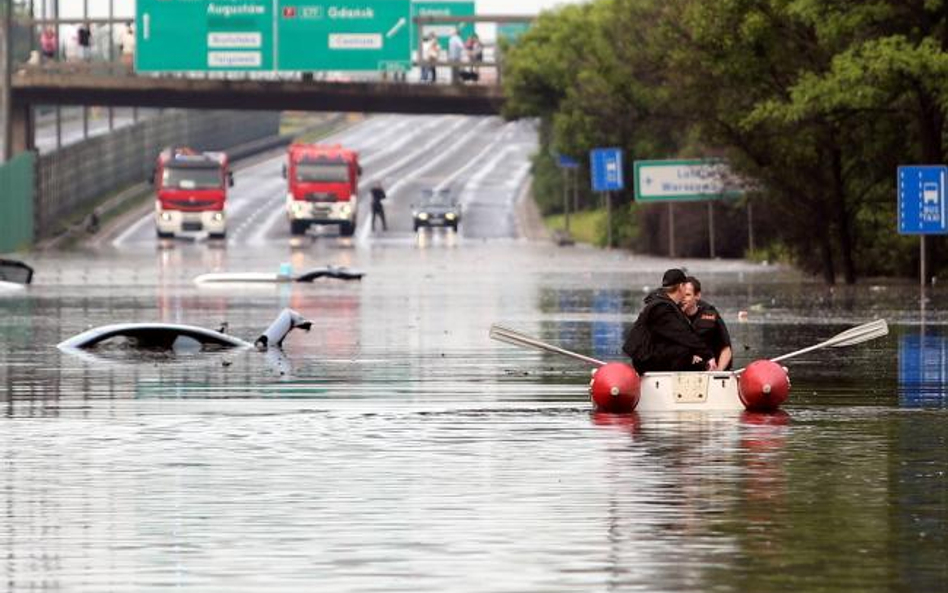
687, 180
921, 264
609, 219
566, 163
711, 228
750, 226
111, 56
6, 47
566, 200
85, 108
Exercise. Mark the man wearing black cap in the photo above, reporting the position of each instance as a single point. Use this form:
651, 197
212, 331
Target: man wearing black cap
662, 338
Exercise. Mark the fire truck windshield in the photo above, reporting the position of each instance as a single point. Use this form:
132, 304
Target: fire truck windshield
331, 172
191, 178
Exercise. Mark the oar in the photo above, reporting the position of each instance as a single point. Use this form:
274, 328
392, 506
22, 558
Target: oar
516, 338
850, 337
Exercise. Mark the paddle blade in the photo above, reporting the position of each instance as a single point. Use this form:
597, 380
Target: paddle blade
859, 334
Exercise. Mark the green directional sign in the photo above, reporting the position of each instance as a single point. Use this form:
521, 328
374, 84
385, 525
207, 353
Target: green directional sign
218, 35
268, 35
343, 35
442, 8
686, 180
512, 31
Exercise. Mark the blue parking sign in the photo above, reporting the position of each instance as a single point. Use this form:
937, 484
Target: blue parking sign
606, 169
922, 200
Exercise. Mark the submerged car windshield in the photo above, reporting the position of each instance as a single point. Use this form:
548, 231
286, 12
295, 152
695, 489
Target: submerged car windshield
331, 172
191, 178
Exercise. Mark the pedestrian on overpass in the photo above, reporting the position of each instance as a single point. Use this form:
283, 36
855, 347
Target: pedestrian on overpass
49, 44
432, 50
128, 45
455, 54
84, 41
378, 210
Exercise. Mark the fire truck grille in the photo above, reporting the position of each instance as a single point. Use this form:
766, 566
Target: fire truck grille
320, 198
191, 204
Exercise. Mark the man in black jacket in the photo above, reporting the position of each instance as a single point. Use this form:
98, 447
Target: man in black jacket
662, 338
378, 210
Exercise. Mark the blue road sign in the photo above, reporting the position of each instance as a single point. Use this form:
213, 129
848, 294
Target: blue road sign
922, 200
566, 162
606, 169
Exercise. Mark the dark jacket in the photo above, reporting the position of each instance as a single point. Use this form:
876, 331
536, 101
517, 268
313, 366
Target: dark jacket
378, 194
711, 329
662, 338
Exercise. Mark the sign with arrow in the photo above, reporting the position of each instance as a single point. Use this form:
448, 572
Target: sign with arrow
273, 35
685, 180
344, 35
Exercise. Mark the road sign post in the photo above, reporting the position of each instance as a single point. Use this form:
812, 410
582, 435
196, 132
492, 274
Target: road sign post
607, 176
566, 164
687, 181
922, 207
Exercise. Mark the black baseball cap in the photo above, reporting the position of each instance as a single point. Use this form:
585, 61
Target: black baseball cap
672, 277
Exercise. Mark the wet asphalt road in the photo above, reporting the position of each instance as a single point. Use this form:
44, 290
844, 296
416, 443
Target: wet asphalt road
483, 161
396, 447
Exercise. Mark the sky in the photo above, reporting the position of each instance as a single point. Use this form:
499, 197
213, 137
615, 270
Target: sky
126, 8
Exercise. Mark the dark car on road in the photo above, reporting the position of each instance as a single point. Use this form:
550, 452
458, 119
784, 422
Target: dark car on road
436, 208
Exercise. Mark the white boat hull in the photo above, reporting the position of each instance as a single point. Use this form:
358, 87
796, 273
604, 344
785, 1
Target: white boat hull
673, 392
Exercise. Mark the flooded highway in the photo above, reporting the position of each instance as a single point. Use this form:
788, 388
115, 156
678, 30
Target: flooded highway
396, 447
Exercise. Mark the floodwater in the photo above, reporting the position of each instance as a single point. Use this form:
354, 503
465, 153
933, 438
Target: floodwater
397, 448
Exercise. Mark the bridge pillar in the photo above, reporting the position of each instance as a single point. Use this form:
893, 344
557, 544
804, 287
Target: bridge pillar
22, 137
6, 46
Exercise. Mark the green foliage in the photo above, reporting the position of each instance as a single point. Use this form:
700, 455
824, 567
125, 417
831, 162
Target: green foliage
816, 100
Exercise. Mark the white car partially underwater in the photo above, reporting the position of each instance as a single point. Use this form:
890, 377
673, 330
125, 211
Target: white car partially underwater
14, 276
96, 343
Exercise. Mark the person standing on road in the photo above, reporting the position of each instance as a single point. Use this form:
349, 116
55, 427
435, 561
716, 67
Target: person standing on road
455, 54
378, 210
707, 323
662, 338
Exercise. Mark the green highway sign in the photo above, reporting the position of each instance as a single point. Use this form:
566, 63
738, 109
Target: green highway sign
685, 181
343, 34
176, 35
441, 9
268, 35
512, 31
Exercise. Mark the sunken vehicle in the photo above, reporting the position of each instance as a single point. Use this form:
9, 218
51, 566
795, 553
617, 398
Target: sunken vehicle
436, 208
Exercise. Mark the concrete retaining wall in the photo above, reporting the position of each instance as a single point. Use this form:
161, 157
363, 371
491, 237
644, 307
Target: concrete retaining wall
75, 177
16, 202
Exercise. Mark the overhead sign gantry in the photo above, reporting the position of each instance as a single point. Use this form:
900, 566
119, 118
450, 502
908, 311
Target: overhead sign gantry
272, 35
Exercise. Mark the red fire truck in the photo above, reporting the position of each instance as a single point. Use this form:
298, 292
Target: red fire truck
191, 191
322, 187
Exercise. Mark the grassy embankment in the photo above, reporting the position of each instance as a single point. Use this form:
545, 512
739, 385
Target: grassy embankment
584, 226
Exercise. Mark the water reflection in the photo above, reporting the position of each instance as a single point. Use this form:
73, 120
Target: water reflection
923, 369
